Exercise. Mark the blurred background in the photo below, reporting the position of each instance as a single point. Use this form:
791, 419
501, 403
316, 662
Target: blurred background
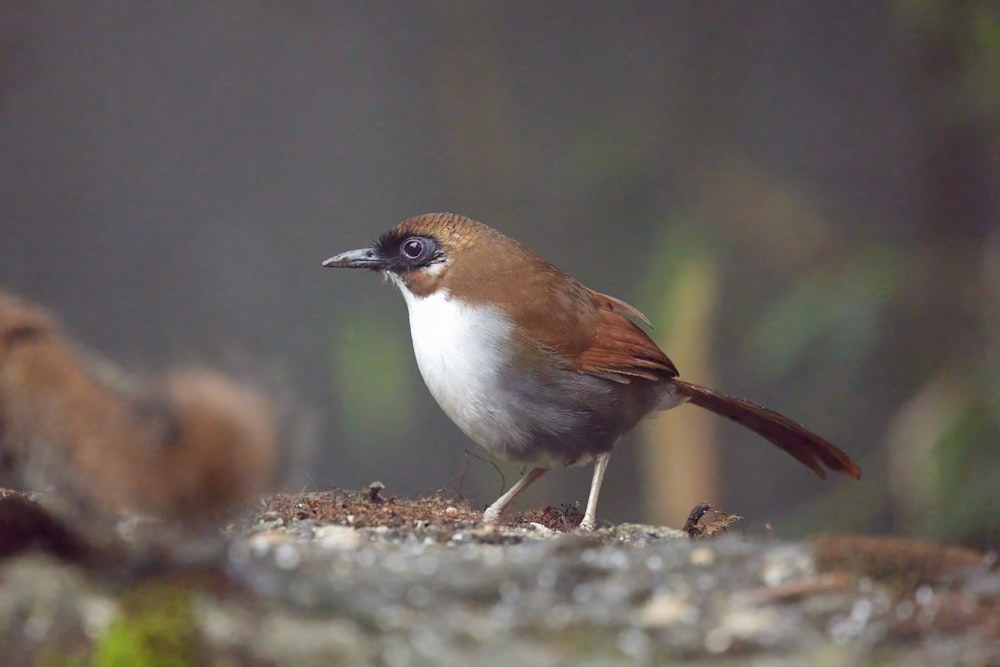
803, 197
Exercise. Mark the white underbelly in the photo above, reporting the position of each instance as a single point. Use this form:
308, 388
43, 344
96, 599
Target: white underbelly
460, 353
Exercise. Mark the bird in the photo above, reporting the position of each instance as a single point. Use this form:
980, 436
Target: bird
537, 368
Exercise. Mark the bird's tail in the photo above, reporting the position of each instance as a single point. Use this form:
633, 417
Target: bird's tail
808, 448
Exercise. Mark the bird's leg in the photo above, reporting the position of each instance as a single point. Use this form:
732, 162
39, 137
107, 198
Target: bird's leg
590, 516
492, 513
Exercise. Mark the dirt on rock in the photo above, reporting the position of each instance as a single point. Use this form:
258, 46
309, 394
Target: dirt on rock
366, 578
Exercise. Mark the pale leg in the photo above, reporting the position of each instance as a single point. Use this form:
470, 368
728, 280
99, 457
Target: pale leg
492, 513
590, 516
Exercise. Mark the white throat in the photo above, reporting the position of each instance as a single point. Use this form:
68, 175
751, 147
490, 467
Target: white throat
462, 351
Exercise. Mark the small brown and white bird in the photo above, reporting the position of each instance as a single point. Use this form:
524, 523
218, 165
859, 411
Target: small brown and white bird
537, 368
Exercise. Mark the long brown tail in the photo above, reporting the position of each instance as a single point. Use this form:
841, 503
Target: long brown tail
807, 447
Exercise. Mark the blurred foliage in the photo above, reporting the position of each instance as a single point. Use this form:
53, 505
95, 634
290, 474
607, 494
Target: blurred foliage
967, 489
681, 267
937, 446
838, 308
681, 464
972, 29
373, 366
954, 495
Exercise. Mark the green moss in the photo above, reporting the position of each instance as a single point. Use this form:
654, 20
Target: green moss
59, 659
157, 629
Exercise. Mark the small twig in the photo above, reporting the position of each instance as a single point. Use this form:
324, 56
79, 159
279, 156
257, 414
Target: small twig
468, 454
503, 478
717, 524
458, 479
691, 526
374, 489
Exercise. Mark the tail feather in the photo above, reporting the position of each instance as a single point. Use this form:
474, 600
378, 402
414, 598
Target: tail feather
808, 448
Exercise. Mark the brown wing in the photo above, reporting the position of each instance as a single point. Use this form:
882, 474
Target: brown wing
619, 350
591, 332
622, 308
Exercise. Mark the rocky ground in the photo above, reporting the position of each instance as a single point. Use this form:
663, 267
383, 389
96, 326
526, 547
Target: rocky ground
362, 578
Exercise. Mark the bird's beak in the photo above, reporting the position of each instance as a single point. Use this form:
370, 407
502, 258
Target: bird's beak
364, 258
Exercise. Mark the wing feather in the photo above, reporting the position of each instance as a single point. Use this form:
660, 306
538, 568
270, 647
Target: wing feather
620, 350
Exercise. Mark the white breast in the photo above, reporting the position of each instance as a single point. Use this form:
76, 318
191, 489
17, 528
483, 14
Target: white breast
460, 354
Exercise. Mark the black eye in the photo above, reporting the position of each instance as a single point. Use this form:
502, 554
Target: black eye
413, 248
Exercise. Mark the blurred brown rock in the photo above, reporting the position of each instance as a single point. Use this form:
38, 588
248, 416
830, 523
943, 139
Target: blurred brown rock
188, 445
